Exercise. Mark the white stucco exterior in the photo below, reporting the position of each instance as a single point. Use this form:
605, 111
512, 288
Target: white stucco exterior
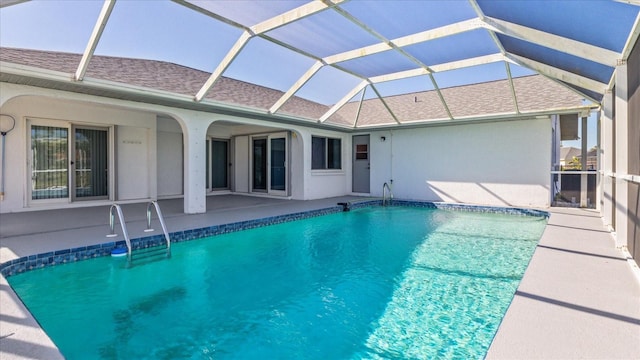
158, 151
499, 163
132, 131
326, 183
169, 147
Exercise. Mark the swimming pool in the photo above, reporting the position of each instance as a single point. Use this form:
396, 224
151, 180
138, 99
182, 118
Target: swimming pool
398, 282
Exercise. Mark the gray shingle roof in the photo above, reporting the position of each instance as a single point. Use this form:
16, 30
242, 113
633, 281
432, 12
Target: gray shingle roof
164, 76
534, 93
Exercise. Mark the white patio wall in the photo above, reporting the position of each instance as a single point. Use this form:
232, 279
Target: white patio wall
135, 142
241, 164
149, 147
170, 157
320, 184
499, 163
136, 150
305, 184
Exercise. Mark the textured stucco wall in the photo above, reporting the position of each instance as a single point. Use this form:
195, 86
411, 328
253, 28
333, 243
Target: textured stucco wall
501, 163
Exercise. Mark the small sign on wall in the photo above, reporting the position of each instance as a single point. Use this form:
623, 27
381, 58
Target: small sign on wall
133, 142
133, 163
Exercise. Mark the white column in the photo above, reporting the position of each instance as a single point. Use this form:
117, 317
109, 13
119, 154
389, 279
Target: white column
555, 156
598, 198
622, 150
606, 134
195, 136
583, 164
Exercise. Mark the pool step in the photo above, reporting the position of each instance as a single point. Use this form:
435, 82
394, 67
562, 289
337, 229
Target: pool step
152, 253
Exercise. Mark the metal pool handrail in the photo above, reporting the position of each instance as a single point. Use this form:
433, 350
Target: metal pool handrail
162, 224
122, 225
386, 187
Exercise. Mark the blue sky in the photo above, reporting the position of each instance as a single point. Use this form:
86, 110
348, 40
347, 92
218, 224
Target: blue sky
163, 30
159, 30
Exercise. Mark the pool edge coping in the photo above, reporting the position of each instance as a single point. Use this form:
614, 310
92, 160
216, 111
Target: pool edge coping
52, 258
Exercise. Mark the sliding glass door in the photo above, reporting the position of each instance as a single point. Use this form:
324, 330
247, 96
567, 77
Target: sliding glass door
278, 162
217, 164
63, 157
269, 164
91, 163
259, 173
49, 162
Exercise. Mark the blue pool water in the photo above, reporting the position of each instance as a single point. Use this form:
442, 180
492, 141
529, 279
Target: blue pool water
371, 283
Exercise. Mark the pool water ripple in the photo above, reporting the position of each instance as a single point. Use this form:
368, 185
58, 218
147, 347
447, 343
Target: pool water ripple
372, 283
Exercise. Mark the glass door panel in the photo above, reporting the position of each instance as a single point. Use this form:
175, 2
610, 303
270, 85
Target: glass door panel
207, 163
259, 165
91, 163
49, 162
219, 164
278, 164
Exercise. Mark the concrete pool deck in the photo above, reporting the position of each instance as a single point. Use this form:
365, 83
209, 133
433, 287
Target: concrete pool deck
579, 298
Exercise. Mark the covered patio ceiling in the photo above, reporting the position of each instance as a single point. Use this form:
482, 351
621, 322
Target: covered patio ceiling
346, 53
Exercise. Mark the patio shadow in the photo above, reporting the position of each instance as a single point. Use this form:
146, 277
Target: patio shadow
576, 307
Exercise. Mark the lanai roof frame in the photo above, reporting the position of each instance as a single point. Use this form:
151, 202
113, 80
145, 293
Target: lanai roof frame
484, 18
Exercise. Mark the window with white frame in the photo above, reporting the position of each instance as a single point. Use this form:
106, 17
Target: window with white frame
326, 153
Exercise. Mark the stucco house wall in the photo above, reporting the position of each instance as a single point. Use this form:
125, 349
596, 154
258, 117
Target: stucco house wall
135, 142
498, 163
149, 156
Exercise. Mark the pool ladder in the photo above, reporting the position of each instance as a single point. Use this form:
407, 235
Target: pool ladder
386, 189
117, 209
